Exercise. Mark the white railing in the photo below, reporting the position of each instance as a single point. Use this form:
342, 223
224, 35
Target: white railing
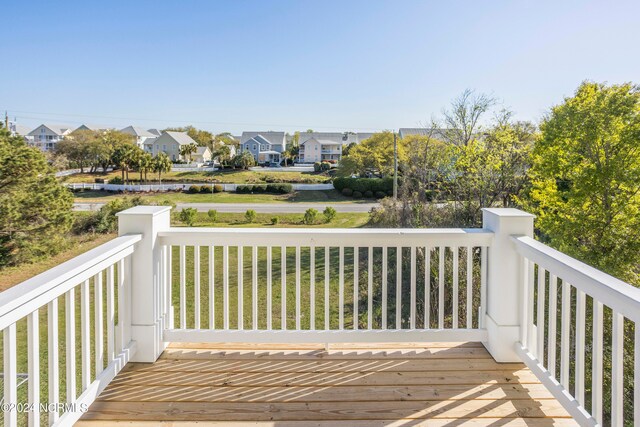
97, 283
145, 188
332, 285
522, 299
566, 306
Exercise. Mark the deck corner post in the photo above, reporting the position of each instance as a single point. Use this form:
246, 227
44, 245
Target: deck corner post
147, 278
502, 313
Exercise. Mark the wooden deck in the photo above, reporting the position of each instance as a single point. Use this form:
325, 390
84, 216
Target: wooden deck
440, 384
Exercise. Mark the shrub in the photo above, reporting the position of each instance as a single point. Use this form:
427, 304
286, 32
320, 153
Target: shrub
250, 215
347, 192
218, 188
168, 202
279, 188
213, 215
274, 220
205, 189
364, 184
258, 189
243, 189
368, 194
380, 195
357, 195
194, 189
116, 180
329, 213
310, 216
325, 166
317, 166
188, 216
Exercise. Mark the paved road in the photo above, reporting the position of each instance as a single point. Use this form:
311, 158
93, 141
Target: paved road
258, 207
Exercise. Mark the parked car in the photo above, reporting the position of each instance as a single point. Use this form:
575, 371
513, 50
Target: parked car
274, 165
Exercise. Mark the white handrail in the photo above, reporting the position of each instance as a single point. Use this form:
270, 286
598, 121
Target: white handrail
334, 237
24, 298
612, 292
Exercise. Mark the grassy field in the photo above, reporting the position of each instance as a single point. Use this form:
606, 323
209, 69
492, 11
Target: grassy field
227, 176
342, 220
313, 196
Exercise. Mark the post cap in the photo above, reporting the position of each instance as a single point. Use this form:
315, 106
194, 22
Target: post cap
145, 210
508, 212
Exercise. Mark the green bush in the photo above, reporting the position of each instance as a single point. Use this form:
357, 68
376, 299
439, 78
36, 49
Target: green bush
213, 215
325, 166
368, 194
274, 220
218, 188
250, 216
205, 189
310, 216
357, 195
380, 195
329, 213
188, 216
258, 189
364, 184
279, 188
347, 192
243, 189
194, 189
317, 166
116, 180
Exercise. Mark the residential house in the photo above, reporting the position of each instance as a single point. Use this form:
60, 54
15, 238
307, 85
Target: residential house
202, 155
327, 146
266, 147
169, 142
46, 136
21, 130
141, 135
155, 132
321, 146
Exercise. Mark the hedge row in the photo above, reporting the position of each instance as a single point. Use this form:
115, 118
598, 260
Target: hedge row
205, 189
362, 185
269, 188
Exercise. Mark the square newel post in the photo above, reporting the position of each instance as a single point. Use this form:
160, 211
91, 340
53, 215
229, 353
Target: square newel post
147, 278
504, 280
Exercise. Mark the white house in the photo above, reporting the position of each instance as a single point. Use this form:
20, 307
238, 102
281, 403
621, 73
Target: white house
141, 135
169, 142
46, 136
266, 147
326, 146
202, 154
155, 132
20, 130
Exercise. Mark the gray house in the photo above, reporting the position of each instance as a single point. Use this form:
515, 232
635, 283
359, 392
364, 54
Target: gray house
265, 147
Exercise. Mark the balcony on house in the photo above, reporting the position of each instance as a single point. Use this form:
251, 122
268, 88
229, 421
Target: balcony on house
322, 327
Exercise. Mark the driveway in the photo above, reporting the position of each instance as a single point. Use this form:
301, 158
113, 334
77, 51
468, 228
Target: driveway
258, 207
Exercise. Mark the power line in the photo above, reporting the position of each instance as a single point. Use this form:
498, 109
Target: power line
271, 126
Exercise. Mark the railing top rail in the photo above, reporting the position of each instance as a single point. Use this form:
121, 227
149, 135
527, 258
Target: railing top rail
334, 237
31, 294
606, 289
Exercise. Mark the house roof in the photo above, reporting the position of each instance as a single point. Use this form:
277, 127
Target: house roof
276, 138
90, 127
57, 129
322, 141
202, 150
137, 131
156, 132
19, 129
180, 137
435, 133
149, 141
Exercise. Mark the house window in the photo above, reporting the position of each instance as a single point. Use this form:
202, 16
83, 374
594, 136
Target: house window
164, 147
254, 147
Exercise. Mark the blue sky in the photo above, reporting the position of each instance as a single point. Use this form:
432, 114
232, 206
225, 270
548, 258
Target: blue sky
292, 65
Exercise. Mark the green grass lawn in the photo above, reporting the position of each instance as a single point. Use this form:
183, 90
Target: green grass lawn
342, 220
313, 196
235, 176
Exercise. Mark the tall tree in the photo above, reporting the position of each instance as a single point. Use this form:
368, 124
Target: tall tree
187, 150
77, 147
161, 164
462, 119
372, 156
35, 209
585, 178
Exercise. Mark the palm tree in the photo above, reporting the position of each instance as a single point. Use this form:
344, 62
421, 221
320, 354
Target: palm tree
188, 150
161, 163
143, 164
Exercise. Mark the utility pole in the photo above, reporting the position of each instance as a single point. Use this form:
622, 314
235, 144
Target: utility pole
395, 167
6, 120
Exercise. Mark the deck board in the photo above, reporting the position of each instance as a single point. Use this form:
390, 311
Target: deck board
284, 385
